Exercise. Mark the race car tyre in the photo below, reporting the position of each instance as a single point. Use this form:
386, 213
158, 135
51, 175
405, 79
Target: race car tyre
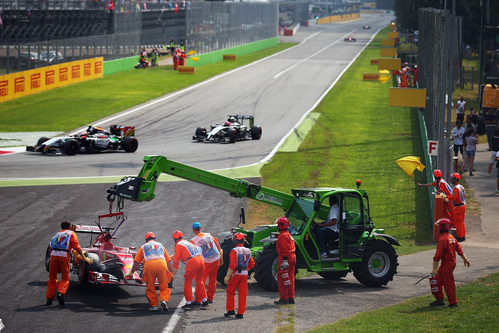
232, 135
71, 147
84, 268
130, 145
47, 258
42, 140
256, 132
200, 134
333, 275
266, 268
227, 246
378, 266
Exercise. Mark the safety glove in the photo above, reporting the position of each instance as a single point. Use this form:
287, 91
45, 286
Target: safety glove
466, 261
285, 263
227, 277
128, 275
221, 257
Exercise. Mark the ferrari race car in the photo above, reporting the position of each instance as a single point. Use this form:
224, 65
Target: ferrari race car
95, 139
232, 130
110, 262
366, 27
350, 39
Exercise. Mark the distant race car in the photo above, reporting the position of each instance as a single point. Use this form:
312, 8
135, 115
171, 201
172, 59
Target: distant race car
350, 39
366, 27
95, 139
110, 262
232, 130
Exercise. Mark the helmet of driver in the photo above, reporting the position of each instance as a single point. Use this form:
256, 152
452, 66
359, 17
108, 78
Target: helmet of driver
282, 223
177, 234
196, 225
150, 235
437, 173
456, 175
445, 224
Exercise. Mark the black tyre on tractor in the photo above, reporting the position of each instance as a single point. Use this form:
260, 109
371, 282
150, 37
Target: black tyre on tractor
378, 266
266, 268
227, 246
47, 258
256, 132
333, 275
42, 140
71, 147
130, 145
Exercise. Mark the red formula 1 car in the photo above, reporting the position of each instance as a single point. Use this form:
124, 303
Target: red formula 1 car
110, 262
350, 39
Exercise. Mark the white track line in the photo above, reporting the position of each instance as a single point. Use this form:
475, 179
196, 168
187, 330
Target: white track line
170, 326
312, 55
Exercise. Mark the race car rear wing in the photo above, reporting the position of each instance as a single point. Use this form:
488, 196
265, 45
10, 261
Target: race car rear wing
241, 117
98, 229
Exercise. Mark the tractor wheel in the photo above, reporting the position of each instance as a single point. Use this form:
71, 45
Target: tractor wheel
42, 140
232, 135
227, 246
47, 258
266, 268
256, 132
130, 145
200, 134
333, 275
378, 266
71, 147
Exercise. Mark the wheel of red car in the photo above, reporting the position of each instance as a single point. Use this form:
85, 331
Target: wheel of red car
83, 273
130, 145
71, 147
232, 135
42, 140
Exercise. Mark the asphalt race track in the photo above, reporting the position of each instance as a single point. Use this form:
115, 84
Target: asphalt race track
277, 91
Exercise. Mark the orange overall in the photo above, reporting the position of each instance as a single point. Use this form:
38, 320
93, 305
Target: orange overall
240, 262
155, 257
286, 248
190, 254
62, 243
458, 198
210, 250
443, 187
446, 253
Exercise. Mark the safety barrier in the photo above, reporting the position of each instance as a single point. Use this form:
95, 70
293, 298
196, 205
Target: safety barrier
291, 31
119, 65
186, 69
45, 78
338, 18
428, 171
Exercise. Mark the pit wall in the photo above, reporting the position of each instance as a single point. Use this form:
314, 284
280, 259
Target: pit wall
217, 56
338, 18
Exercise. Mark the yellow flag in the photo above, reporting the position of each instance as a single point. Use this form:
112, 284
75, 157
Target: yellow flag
195, 58
191, 52
409, 164
384, 78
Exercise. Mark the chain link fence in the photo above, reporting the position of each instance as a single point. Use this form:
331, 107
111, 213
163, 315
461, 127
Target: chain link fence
40, 33
212, 26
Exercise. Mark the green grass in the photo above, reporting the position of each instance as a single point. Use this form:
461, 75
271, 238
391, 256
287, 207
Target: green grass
359, 136
477, 312
73, 106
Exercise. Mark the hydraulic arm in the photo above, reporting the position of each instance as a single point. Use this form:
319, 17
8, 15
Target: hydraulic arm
141, 188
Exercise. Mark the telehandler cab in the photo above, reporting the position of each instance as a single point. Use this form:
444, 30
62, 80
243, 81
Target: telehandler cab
361, 248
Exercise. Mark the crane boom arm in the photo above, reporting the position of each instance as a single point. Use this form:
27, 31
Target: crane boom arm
141, 188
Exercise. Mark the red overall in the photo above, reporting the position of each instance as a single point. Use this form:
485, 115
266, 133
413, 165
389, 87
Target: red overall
190, 254
446, 254
211, 257
59, 261
286, 248
443, 187
240, 256
155, 258
458, 198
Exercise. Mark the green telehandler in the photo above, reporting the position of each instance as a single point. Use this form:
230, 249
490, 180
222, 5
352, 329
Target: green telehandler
361, 248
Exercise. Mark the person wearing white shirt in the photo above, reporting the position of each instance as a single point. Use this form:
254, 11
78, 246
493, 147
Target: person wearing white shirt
457, 135
328, 229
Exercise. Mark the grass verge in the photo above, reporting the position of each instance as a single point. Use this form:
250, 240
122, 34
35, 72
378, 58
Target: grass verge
76, 105
358, 136
477, 312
